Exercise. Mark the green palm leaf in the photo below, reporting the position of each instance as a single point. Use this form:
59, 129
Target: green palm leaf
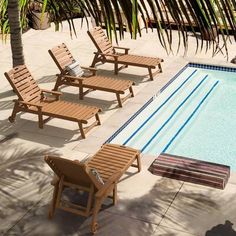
215, 19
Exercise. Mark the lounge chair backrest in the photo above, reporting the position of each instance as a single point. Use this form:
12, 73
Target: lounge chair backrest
24, 84
72, 171
61, 56
101, 41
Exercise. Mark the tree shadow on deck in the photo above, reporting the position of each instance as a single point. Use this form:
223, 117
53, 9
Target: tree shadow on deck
6, 105
47, 79
24, 179
50, 135
6, 94
133, 216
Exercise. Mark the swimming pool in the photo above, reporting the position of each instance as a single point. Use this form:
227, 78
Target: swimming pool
194, 115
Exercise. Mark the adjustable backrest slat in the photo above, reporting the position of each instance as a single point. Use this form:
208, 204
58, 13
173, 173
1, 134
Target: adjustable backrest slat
24, 84
61, 56
101, 41
72, 171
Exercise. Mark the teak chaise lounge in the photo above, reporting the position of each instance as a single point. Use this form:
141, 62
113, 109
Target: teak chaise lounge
107, 53
32, 99
109, 163
63, 58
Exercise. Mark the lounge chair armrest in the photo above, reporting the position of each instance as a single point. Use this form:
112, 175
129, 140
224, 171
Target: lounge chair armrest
55, 93
90, 69
123, 48
30, 104
108, 55
113, 180
51, 92
80, 79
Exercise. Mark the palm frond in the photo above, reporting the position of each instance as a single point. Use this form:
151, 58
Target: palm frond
214, 20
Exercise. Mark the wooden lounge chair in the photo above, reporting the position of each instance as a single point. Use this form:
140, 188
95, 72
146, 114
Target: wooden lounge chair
107, 53
63, 58
111, 161
32, 99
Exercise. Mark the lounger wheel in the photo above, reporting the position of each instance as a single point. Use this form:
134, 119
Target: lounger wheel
11, 119
94, 228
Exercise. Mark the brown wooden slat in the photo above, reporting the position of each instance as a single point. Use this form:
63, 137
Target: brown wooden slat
119, 156
114, 155
64, 108
85, 113
21, 77
64, 55
59, 50
20, 71
23, 86
59, 108
118, 147
103, 162
106, 45
65, 62
102, 83
115, 151
103, 158
33, 88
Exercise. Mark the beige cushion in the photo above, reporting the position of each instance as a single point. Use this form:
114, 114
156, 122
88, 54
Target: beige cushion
74, 69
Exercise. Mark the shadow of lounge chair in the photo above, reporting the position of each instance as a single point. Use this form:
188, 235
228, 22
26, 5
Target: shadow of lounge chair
38, 101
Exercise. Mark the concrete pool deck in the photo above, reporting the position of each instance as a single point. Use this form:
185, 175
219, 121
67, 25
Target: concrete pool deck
147, 204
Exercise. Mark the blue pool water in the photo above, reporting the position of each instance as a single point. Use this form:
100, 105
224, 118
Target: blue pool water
195, 116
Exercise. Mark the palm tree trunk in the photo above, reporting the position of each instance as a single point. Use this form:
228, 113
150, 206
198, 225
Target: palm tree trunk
15, 33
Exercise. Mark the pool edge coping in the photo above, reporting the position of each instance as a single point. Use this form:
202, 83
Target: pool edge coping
199, 65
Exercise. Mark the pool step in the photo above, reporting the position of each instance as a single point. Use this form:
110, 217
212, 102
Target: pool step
191, 170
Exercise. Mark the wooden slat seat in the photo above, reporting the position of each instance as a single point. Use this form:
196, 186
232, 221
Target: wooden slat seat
107, 53
63, 57
111, 161
120, 157
120, 86
135, 60
71, 111
34, 100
